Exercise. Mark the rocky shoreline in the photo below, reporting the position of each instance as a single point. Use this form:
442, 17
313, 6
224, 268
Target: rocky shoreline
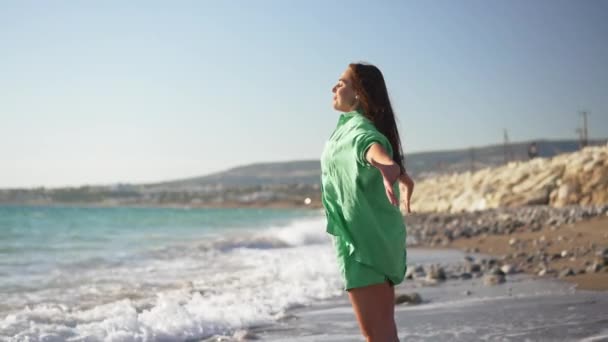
569, 243
578, 178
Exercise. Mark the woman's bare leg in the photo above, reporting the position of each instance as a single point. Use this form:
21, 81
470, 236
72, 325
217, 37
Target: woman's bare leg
374, 307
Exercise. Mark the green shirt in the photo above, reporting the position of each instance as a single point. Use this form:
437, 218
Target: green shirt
355, 200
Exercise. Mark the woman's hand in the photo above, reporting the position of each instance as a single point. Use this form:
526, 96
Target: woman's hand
377, 157
409, 189
390, 174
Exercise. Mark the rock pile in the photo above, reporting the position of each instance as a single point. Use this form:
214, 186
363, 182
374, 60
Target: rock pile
579, 178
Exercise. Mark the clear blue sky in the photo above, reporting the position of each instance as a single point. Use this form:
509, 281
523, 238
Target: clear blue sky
113, 91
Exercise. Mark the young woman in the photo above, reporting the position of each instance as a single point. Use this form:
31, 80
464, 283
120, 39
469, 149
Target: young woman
362, 167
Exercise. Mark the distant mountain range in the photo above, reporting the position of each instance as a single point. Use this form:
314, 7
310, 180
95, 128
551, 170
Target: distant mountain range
293, 172
283, 184
420, 165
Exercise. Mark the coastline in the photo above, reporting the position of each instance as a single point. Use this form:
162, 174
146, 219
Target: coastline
225, 205
456, 309
571, 246
459, 288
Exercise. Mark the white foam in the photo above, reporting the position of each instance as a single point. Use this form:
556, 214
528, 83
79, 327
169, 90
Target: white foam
299, 233
603, 336
195, 295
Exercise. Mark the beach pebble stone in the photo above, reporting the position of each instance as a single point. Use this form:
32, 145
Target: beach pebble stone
409, 274
604, 255
496, 271
472, 268
489, 263
546, 272
466, 275
408, 298
436, 273
594, 268
494, 276
600, 260
493, 279
508, 269
566, 272
418, 272
530, 259
430, 281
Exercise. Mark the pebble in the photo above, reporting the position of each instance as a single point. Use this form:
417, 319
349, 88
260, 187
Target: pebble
408, 298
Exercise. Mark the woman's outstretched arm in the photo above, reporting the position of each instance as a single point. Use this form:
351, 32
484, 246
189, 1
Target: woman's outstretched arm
391, 172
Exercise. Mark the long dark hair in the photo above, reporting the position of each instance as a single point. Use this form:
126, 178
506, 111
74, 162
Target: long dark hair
369, 84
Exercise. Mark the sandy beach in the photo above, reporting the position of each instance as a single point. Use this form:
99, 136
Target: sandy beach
456, 289
523, 308
568, 237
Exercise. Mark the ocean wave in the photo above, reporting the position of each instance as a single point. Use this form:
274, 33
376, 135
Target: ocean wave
181, 292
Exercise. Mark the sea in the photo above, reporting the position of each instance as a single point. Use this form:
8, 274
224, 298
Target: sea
194, 274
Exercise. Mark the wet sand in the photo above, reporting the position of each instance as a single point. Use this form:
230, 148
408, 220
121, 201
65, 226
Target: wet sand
524, 308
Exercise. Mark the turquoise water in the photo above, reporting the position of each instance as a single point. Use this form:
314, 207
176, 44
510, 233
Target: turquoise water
147, 274
48, 235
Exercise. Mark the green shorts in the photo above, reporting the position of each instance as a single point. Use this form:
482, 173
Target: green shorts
354, 273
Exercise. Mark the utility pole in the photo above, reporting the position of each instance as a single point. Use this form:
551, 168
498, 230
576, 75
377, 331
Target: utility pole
583, 131
472, 153
579, 131
507, 148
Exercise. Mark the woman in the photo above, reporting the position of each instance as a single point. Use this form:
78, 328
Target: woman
361, 170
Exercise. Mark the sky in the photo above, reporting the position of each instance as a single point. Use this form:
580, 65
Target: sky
107, 92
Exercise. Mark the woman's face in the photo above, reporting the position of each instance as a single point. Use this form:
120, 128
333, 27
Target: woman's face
344, 94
